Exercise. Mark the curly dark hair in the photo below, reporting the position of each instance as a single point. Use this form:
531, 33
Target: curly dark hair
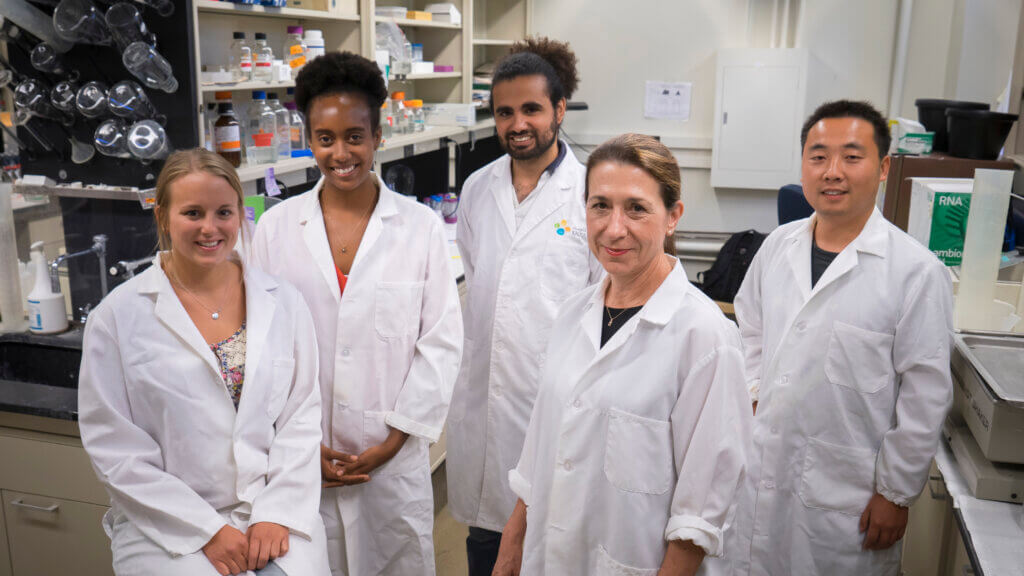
851, 109
341, 73
538, 55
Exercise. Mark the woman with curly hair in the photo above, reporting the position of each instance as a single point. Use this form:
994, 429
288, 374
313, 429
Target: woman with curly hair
523, 240
373, 267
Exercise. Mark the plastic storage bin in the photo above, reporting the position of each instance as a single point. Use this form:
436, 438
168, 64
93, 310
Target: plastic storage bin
977, 134
932, 113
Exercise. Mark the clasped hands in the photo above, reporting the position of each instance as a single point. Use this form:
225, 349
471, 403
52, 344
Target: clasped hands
340, 469
232, 552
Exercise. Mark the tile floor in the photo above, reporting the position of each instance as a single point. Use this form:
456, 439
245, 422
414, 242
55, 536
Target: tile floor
449, 545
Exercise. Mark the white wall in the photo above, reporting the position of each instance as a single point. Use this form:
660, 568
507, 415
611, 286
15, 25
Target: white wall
955, 45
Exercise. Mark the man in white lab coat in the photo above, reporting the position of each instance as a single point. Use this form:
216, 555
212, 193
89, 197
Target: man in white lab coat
522, 236
846, 324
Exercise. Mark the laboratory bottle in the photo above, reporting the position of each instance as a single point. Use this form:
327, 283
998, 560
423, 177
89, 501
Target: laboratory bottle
282, 122
240, 62
408, 120
397, 110
296, 126
416, 113
263, 59
314, 40
295, 50
209, 118
386, 121
228, 134
261, 131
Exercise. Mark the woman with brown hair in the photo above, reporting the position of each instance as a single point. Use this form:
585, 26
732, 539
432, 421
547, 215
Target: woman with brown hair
638, 440
198, 399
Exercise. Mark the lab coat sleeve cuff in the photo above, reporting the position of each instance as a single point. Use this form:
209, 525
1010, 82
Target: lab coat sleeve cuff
519, 485
412, 427
697, 530
300, 529
192, 544
895, 498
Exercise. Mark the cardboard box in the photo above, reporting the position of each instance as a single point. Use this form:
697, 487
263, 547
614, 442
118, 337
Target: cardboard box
418, 15
444, 114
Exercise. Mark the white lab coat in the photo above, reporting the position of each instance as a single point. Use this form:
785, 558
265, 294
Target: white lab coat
635, 443
165, 440
389, 354
516, 281
853, 384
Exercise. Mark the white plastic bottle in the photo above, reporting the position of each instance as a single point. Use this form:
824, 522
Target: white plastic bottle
295, 50
47, 313
240, 62
263, 59
315, 47
282, 123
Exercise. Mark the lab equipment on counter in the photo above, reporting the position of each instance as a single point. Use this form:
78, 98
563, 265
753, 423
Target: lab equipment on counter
263, 58
228, 134
151, 68
47, 313
939, 208
240, 58
976, 306
986, 480
12, 289
295, 50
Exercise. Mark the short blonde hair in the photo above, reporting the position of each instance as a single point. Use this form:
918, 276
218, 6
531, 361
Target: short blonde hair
180, 164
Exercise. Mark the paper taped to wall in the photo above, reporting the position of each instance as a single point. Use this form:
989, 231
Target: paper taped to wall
668, 100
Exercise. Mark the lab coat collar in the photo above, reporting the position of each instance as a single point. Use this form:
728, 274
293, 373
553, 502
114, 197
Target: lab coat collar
553, 193
658, 310
873, 239
314, 233
259, 301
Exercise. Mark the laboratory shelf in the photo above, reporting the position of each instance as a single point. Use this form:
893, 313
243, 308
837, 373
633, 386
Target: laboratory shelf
430, 76
268, 12
430, 133
249, 172
492, 42
418, 23
238, 86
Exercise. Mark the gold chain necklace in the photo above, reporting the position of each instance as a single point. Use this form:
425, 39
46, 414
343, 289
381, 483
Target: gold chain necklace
351, 235
612, 318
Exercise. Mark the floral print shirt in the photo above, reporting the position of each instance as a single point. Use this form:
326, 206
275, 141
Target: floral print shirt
231, 355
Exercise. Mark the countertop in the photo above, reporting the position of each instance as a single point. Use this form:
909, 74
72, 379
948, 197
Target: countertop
41, 399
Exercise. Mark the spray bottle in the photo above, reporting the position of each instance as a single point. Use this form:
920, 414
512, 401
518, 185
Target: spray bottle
47, 313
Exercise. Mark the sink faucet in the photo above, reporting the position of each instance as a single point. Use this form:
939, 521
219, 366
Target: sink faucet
128, 267
99, 248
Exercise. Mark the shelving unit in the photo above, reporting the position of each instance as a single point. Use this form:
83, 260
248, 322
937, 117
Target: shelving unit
487, 30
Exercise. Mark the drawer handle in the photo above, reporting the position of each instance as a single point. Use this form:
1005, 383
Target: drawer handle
22, 504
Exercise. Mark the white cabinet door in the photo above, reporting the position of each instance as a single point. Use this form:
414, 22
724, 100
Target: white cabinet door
760, 119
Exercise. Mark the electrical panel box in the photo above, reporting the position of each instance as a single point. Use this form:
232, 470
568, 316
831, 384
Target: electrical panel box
762, 97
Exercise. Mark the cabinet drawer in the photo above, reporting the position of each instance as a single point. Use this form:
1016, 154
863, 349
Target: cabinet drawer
50, 536
50, 469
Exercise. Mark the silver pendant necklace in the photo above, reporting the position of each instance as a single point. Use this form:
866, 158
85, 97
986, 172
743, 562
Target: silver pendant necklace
214, 314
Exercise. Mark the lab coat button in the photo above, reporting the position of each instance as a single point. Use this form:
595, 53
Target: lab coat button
577, 403
769, 484
498, 346
801, 326
345, 352
497, 392
775, 429
785, 379
567, 465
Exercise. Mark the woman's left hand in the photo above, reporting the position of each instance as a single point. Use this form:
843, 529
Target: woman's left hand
266, 542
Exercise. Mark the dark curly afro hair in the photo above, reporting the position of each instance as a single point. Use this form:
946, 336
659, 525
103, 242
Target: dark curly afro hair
538, 55
341, 73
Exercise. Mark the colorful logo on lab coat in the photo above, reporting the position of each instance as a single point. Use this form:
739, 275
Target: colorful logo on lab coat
562, 228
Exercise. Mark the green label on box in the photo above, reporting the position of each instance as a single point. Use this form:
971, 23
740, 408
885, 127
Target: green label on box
255, 206
949, 226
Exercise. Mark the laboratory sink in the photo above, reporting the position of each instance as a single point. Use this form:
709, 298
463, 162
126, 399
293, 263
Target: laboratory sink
52, 361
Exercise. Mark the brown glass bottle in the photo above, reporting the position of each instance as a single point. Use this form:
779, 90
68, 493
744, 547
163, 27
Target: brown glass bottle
228, 134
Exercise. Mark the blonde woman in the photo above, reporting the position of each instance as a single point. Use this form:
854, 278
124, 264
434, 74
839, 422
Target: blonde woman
198, 398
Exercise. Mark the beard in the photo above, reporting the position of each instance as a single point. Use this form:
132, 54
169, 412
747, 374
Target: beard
542, 142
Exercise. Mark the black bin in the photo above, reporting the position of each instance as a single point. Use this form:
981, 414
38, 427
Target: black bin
977, 134
932, 113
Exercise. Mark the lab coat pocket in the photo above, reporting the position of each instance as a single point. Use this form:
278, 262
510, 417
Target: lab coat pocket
839, 478
281, 374
397, 308
608, 566
859, 359
375, 430
638, 453
563, 268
